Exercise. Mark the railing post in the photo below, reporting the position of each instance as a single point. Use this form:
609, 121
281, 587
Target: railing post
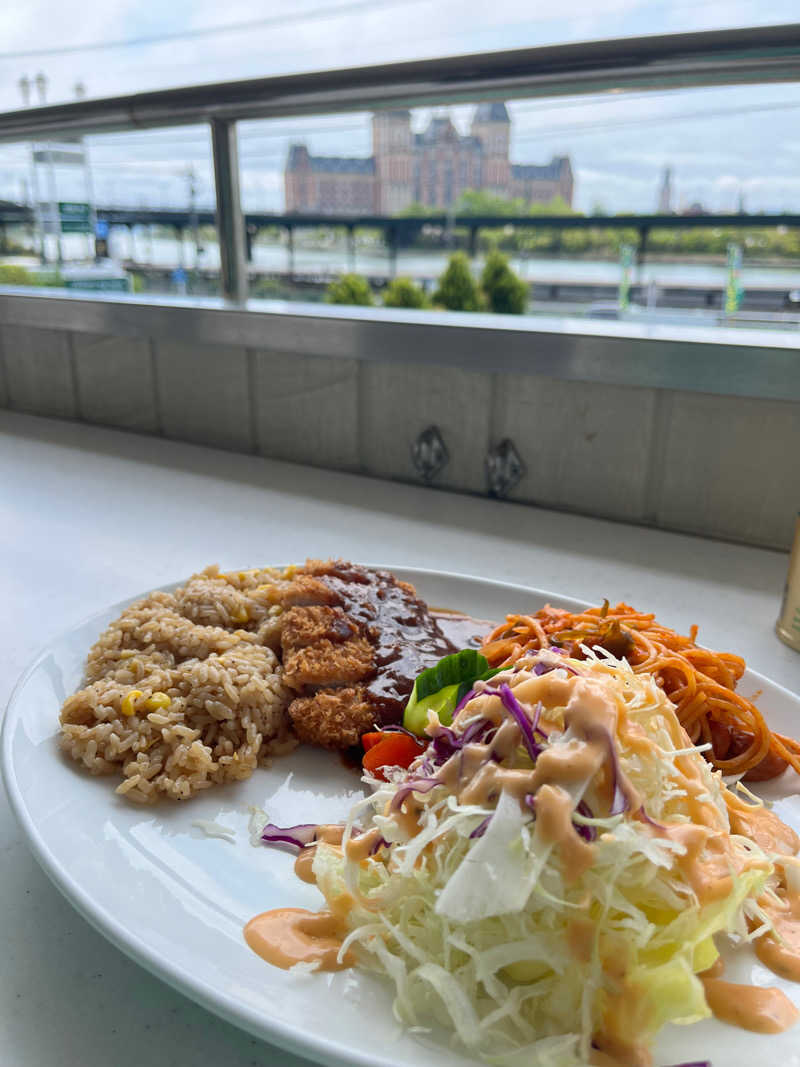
230, 220
351, 249
641, 252
390, 237
290, 249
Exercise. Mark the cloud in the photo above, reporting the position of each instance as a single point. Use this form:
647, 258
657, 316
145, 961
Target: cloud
619, 143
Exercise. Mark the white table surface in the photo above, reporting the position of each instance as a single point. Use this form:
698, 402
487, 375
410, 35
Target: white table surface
91, 516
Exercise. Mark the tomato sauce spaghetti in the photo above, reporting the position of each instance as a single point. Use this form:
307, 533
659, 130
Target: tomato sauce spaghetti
701, 683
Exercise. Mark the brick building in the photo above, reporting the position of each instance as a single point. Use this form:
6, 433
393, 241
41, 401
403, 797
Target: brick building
433, 168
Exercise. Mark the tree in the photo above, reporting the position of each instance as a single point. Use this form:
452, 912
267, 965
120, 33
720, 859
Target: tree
11, 274
349, 289
556, 206
417, 210
404, 293
505, 292
458, 290
481, 202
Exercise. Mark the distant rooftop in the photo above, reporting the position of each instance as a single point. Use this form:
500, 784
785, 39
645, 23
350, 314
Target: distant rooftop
551, 171
494, 112
342, 165
440, 128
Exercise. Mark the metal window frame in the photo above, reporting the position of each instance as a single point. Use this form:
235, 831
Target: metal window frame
756, 363
710, 58
680, 60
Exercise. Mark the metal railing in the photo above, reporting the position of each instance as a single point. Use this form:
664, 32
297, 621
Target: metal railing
720, 57
401, 230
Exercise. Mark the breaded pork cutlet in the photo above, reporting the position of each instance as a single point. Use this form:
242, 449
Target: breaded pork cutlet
353, 641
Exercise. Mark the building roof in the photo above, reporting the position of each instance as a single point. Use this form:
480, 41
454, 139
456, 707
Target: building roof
551, 171
440, 128
342, 165
494, 112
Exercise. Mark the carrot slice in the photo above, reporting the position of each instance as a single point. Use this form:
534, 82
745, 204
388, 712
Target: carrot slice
393, 750
370, 740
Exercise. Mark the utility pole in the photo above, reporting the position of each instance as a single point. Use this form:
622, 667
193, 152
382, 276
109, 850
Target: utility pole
38, 221
191, 179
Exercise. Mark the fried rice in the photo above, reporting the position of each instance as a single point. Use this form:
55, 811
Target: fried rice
184, 690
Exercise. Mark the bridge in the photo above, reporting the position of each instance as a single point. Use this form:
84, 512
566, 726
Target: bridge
401, 230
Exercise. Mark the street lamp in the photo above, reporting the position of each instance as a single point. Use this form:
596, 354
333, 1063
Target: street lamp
40, 81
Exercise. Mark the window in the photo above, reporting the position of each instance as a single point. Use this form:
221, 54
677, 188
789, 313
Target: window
129, 212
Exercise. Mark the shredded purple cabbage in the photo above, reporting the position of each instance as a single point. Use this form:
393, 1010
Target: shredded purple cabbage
396, 728
427, 766
545, 668
646, 818
417, 785
588, 833
619, 802
513, 706
446, 742
480, 829
464, 701
293, 837
378, 845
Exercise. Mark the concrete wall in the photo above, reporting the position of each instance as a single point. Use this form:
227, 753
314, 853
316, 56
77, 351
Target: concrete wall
722, 466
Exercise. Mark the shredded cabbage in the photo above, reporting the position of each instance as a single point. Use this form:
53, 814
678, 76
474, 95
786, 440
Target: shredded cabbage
488, 934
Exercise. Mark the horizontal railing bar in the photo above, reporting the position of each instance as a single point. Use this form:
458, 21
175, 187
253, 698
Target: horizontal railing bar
717, 57
725, 361
21, 213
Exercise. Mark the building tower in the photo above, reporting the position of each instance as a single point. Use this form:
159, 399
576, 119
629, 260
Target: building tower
665, 193
298, 180
492, 127
392, 148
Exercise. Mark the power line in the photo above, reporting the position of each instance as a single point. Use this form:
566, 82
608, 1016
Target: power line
200, 138
653, 121
208, 31
247, 144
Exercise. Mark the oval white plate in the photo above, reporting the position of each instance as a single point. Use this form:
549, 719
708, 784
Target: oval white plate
176, 900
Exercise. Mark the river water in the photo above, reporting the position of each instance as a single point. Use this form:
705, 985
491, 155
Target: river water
373, 260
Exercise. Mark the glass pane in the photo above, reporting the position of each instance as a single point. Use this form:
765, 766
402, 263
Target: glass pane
120, 212
403, 190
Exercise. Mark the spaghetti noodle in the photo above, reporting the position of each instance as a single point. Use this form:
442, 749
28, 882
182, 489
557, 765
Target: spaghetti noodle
701, 683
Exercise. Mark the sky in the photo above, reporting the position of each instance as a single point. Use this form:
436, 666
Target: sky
721, 143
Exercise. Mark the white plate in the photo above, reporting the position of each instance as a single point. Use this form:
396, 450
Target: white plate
176, 901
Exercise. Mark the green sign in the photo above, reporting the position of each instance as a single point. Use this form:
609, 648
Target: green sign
627, 253
105, 285
733, 289
74, 217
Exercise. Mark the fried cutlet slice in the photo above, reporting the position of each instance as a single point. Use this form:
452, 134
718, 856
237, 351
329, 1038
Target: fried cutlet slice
304, 589
324, 663
348, 682
303, 626
333, 718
